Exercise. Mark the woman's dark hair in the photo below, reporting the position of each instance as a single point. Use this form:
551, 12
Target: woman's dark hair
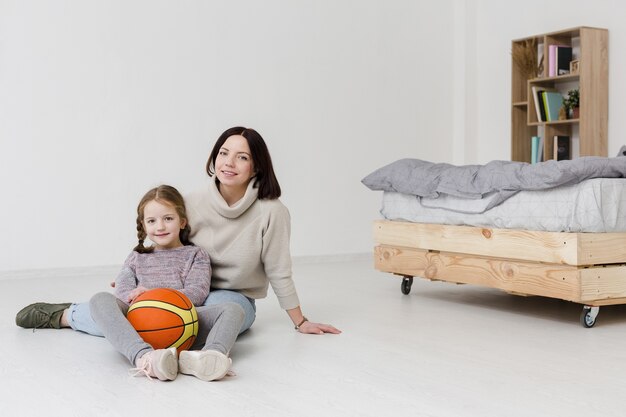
264, 178
164, 194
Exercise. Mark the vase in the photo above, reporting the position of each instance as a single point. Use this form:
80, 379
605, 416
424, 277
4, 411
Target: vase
575, 112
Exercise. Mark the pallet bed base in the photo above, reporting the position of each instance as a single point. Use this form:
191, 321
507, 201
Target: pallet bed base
585, 268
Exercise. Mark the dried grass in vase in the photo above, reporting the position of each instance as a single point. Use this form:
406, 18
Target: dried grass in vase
525, 57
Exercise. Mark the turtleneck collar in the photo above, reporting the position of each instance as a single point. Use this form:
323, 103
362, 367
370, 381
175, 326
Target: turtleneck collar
236, 210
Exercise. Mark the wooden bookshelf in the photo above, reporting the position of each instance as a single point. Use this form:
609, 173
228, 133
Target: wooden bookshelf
590, 48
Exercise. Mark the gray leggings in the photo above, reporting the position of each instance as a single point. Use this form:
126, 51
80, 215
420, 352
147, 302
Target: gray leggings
219, 326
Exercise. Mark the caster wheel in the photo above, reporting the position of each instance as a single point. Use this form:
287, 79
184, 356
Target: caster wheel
588, 316
407, 282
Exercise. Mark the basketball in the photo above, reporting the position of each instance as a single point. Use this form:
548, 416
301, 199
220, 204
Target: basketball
164, 318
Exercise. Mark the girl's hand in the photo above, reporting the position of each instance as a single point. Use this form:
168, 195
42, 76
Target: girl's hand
310, 327
136, 293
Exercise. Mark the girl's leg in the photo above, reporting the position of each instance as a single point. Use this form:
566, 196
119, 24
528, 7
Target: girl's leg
110, 315
219, 326
225, 296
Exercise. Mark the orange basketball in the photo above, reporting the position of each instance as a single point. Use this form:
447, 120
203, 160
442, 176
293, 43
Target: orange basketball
164, 318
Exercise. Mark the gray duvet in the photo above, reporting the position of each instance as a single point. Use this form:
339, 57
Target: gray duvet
486, 186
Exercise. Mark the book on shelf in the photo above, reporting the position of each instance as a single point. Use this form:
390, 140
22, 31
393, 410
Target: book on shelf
538, 99
552, 101
536, 93
536, 145
552, 60
563, 58
561, 148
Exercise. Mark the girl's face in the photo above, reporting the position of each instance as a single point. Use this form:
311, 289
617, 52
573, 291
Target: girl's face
233, 164
163, 224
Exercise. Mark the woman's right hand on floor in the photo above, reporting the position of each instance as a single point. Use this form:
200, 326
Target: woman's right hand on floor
309, 327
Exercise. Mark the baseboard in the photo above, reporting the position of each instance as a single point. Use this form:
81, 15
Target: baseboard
322, 259
54, 273
113, 270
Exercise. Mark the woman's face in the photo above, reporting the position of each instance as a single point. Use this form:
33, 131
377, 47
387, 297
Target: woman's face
233, 164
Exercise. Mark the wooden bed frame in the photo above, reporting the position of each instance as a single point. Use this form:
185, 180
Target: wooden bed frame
586, 268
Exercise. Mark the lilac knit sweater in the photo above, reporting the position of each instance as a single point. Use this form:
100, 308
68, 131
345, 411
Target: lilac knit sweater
186, 269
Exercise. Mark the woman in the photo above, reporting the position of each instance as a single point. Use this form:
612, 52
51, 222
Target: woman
239, 220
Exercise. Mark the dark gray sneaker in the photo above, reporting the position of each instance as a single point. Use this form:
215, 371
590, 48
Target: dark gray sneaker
41, 316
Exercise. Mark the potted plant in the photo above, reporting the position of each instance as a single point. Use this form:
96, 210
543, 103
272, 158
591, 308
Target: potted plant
572, 103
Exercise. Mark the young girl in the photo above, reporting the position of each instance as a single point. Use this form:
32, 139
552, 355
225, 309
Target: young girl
172, 262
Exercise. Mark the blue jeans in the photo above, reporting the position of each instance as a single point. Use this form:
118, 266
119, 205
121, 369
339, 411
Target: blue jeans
80, 319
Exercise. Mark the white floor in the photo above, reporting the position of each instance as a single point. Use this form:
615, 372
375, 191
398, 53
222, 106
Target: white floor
443, 350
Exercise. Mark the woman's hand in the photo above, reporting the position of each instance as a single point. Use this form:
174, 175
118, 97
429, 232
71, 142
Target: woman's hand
303, 325
136, 293
310, 327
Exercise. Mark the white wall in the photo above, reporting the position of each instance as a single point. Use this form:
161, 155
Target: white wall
101, 100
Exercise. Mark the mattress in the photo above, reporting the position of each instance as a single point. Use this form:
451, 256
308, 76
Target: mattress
595, 205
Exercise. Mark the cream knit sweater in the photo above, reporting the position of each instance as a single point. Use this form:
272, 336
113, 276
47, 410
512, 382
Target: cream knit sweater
248, 243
